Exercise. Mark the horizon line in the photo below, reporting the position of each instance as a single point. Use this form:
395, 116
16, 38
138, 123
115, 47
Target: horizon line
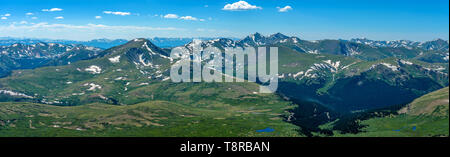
217, 37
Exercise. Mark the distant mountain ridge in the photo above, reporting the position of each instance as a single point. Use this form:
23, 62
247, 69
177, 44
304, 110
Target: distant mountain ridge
259, 40
101, 43
29, 56
437, 44
251, 40
40, 50
435, 51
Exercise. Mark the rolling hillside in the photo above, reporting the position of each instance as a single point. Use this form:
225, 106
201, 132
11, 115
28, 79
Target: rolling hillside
425, 116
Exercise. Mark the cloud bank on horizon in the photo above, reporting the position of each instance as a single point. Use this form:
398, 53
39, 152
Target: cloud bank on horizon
311, 20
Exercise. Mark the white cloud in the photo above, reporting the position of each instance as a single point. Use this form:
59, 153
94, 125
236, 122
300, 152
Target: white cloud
28, 14
284, 9
190, 18
241, 5
59, 17
23, 22
171, 16
98, 17
7, 15
52, 9
117, 13
34, 18
4, 18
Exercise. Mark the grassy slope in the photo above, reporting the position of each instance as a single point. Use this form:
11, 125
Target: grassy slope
429, 114
156, 109
152, 118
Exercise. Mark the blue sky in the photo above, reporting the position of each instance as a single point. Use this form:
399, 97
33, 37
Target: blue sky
307, 19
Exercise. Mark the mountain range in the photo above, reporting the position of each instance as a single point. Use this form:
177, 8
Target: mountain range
321, 83
100, 43
22, 56
437, 44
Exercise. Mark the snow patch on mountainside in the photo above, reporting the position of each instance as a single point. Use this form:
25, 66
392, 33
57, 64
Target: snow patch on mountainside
153, 53
143, 84
120, 78
313, 51
92, 86
390, 66
93, 69
298, 74
166, 78
405, 62
114, 59
334, 66
317, 68
142, 61
347, 66
12, 93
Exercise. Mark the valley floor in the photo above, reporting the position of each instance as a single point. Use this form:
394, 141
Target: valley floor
168, 119
149, 119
